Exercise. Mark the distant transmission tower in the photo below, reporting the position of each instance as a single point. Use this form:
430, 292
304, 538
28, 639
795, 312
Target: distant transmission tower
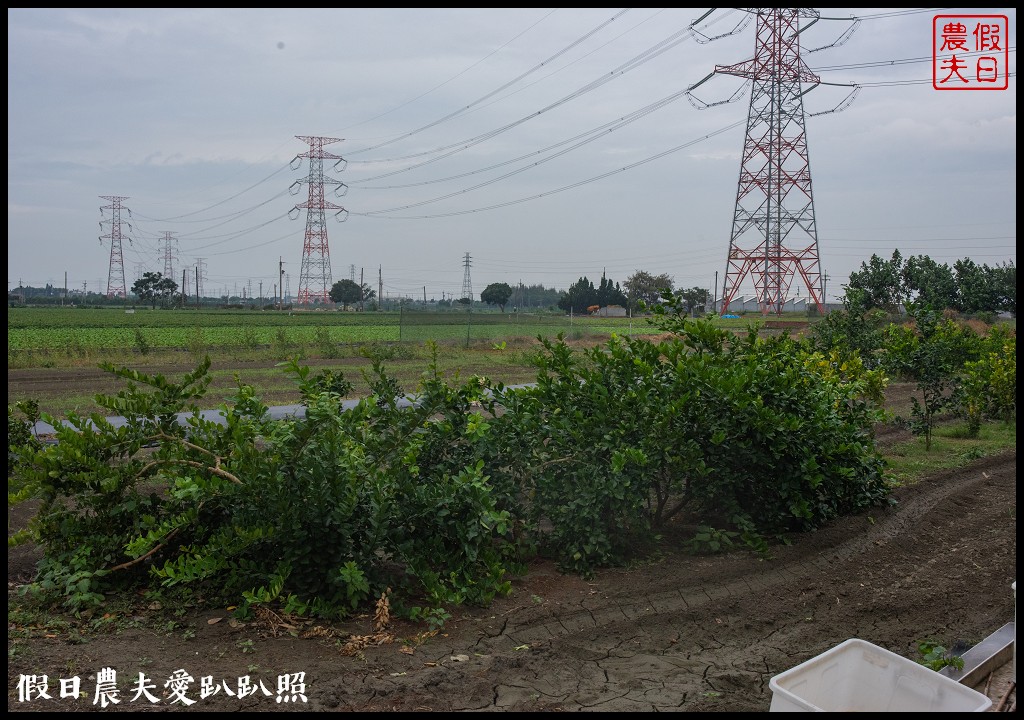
467, 284
115, 276
200, 277
774, 232
315, 276
168, 254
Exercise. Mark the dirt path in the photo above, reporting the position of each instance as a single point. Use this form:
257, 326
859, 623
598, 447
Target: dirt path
679, 633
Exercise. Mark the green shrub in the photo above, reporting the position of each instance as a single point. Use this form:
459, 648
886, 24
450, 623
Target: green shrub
730, 431
321, 513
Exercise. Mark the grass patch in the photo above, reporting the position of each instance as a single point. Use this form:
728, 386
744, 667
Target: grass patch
909, 462
259, 368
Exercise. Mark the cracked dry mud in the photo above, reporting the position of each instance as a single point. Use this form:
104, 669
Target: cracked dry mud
677, 633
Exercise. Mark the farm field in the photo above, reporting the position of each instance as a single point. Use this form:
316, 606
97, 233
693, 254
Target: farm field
51, 333
54, 354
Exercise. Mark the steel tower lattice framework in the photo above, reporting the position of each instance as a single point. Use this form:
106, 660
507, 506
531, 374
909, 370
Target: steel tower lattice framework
467, 284
315, 276
115, 275
168, 255
774, 233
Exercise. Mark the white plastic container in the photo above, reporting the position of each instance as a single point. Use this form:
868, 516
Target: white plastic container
856, 676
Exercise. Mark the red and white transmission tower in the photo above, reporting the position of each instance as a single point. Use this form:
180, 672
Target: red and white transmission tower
315, 276
774, 233
115, 276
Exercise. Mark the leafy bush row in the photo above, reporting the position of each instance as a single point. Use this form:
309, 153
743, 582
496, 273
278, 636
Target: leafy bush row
328, 510
763, 437
957, 370
443, 499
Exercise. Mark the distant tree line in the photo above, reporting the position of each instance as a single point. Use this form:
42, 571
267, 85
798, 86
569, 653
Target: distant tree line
582, 295
640, 292
967, 287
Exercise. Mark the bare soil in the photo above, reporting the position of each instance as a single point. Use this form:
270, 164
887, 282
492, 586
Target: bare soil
680, 632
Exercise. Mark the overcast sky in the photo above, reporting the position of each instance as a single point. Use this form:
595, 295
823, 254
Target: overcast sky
548, 144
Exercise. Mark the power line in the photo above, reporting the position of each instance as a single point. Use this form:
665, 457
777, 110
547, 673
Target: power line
655, 51
178, 218
563, 188
493, 92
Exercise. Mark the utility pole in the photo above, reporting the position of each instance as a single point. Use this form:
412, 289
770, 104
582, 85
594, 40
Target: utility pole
380, 288
261, 294
197, 286
184, 291
714, 298
200, 276
65, 289
280, 277
360, 289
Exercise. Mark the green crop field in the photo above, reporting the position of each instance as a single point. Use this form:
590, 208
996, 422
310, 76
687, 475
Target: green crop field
54, 353
55, 337
74, 330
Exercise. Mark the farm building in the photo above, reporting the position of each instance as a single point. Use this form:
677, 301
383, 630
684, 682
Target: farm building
749, 303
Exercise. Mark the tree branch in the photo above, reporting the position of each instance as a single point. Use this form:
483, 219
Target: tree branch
190, 446
136, 561
191, 463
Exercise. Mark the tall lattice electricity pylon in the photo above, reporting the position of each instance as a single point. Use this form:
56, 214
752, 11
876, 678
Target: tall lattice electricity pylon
467, 284
315, 276
168, 254
774, 232
200, 277
115, 275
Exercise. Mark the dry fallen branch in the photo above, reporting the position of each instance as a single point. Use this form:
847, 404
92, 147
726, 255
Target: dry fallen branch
357, 643
319, 631
1006, 696
272, 621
